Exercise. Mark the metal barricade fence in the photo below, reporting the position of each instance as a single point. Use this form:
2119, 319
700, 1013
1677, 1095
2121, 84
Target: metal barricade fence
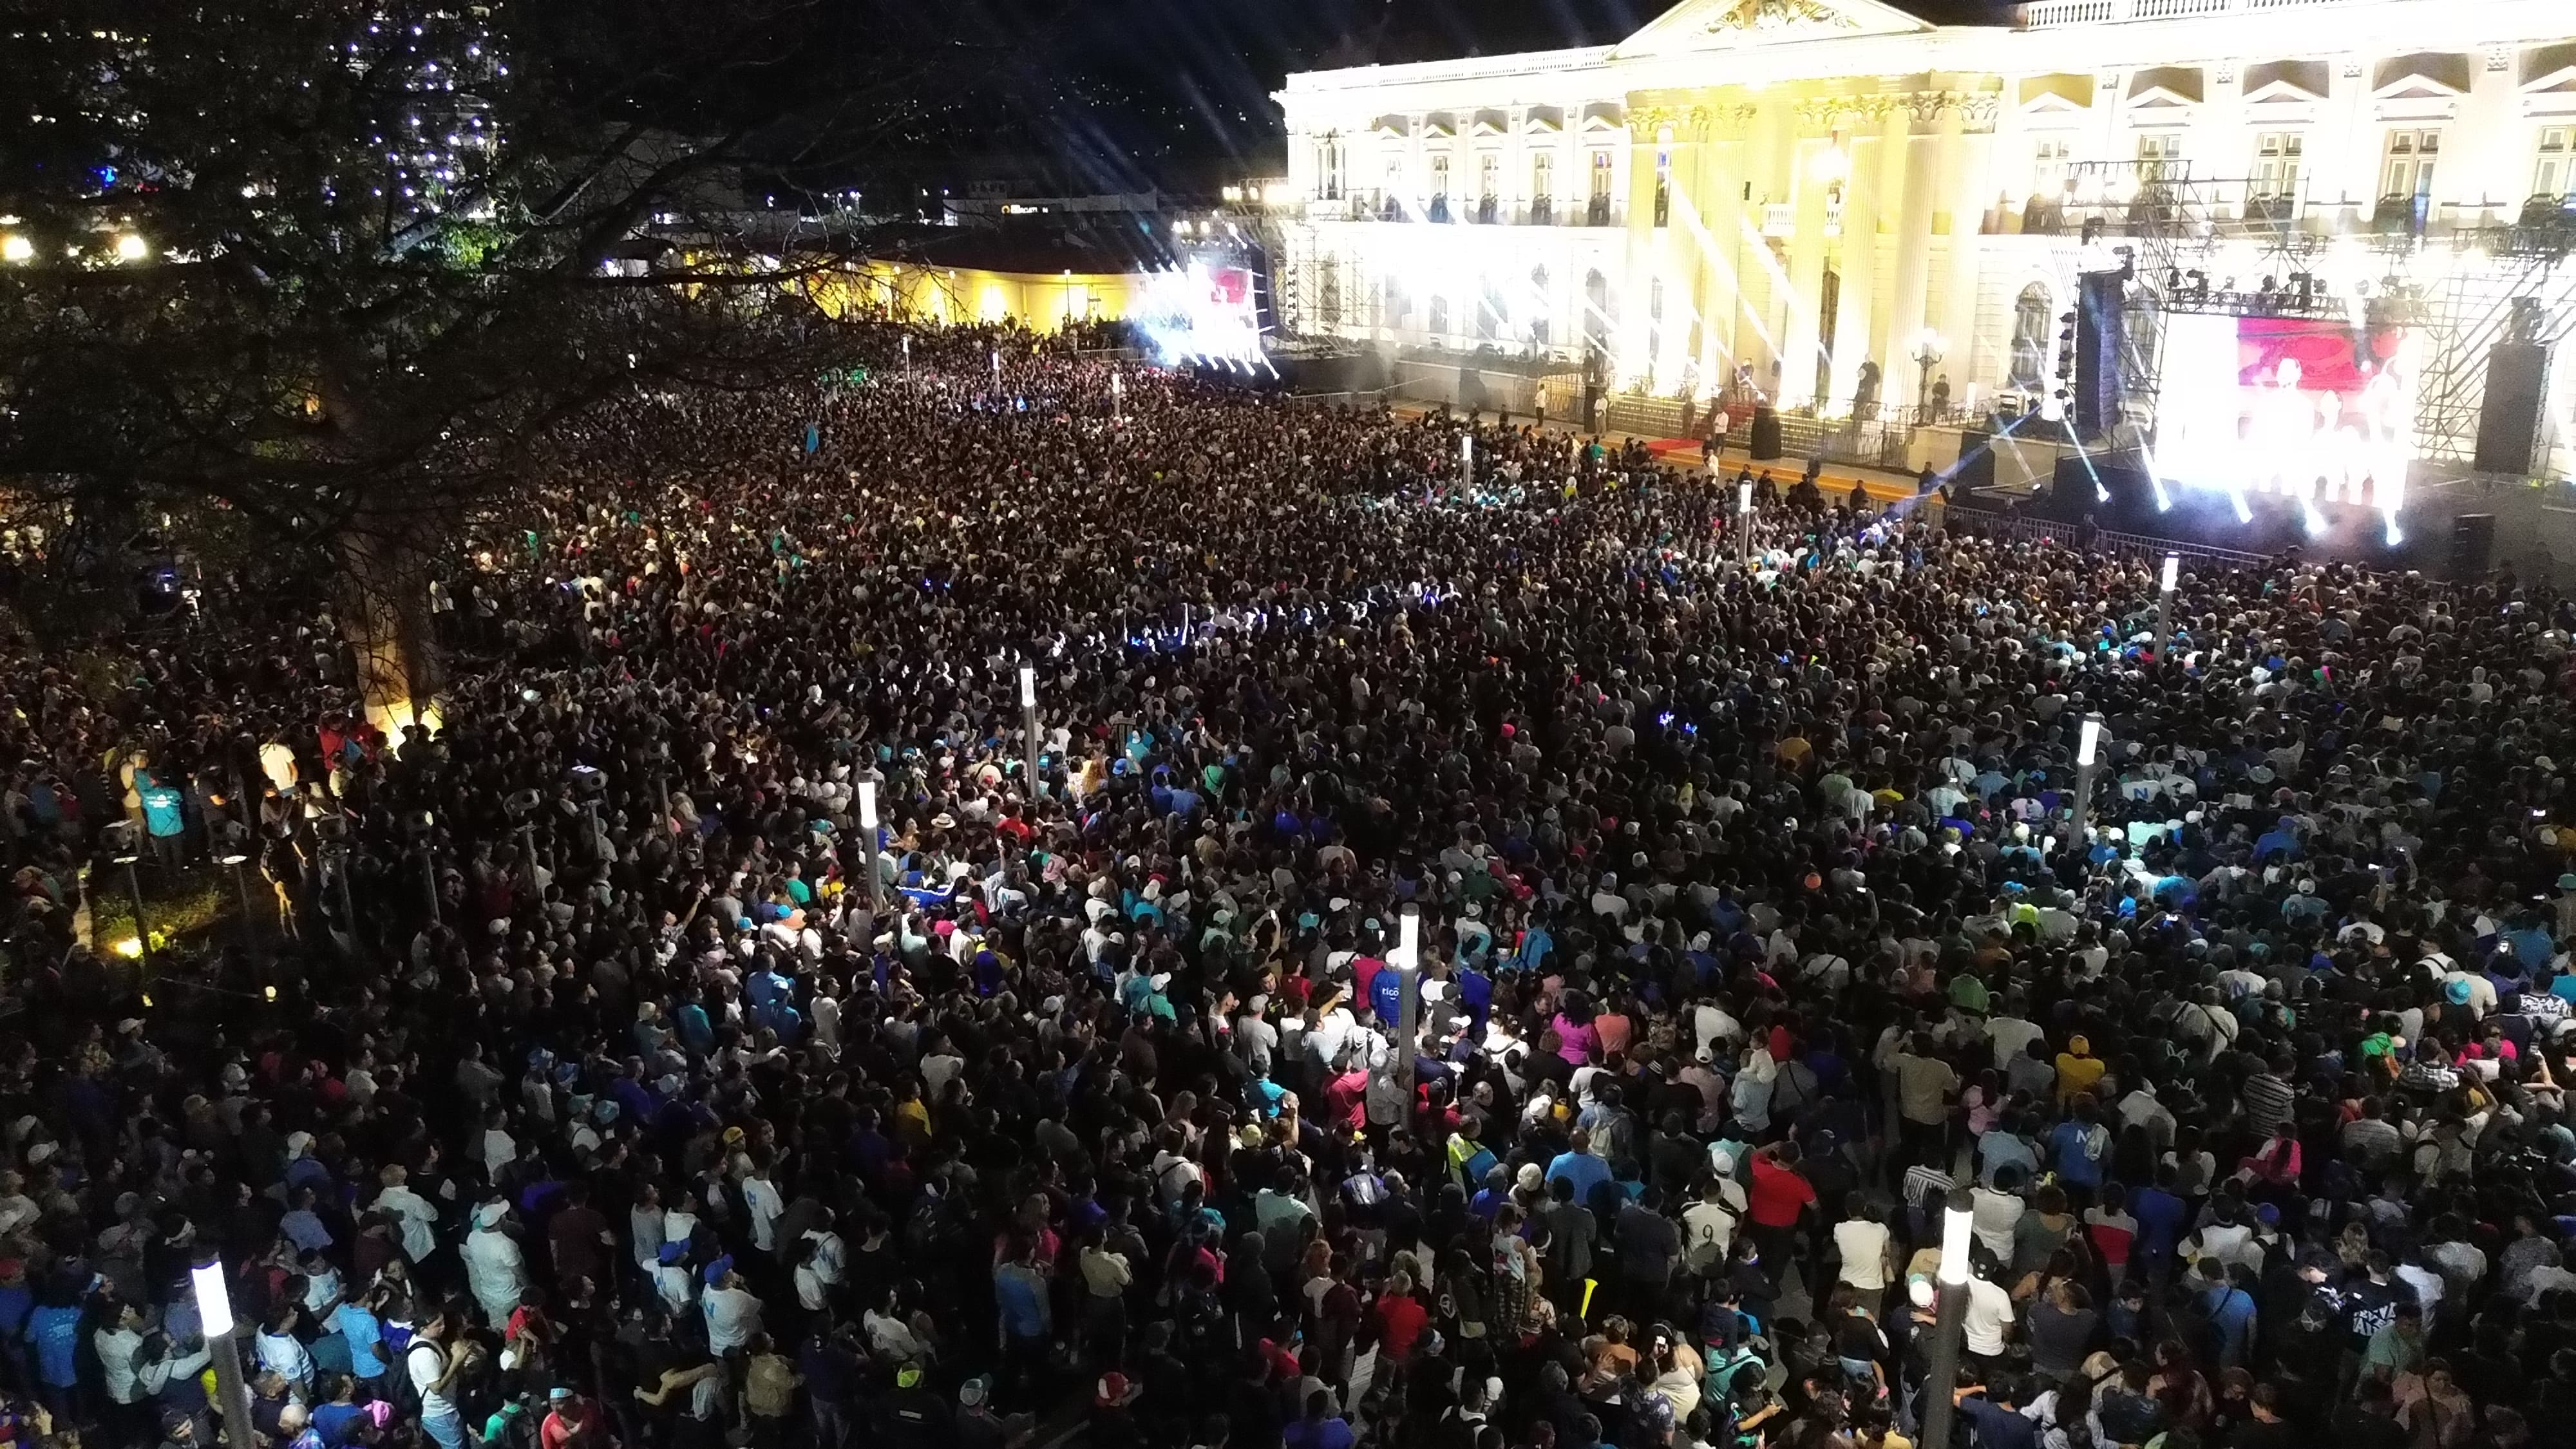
2017, 528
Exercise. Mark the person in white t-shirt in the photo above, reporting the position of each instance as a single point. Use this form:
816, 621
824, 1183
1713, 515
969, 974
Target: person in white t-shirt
1862, 1245
1989, 1317
733, 1313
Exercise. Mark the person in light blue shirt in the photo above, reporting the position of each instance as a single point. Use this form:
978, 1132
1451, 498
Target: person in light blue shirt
2229, 1307
365, 1334
2003, 1146
53, 1331
1580, 1167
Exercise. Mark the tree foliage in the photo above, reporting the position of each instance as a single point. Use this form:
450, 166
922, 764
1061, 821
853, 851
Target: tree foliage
262, 257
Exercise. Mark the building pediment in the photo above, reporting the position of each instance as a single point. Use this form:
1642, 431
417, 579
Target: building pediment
2422, 75
1702, 25
2166, 86
2044, 94
2549, 68
2287, 80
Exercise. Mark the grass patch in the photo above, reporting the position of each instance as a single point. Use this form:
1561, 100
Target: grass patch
183, 912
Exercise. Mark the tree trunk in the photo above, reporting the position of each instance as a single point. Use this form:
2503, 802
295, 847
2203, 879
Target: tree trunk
385, 618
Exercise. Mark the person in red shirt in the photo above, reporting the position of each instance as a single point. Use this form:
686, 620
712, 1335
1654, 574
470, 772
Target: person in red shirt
1400, 1319
569, 1423
1780, 1196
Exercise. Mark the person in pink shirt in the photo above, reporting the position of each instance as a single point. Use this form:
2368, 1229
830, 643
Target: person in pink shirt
1576, 1041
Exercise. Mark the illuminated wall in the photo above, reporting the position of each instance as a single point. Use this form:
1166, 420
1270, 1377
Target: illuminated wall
1041, 301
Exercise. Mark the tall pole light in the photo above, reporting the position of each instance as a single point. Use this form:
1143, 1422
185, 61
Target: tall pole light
2088, 752
1467, 461
1117, 397
1408, 1017
868, 851
233, 859
2164, 603
997, 367
125, 850
348, 912
907, 354
1744, 525
215, 1317
1029, 723
1958, 1219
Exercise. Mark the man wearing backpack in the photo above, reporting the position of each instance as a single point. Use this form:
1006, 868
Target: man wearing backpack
431, 1365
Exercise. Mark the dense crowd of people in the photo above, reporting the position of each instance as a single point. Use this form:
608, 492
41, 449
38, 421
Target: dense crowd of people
599, 1081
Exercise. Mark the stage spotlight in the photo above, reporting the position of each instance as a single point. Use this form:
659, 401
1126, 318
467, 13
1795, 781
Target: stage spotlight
2269, 286
2394, 537
2312, 520
2173, 279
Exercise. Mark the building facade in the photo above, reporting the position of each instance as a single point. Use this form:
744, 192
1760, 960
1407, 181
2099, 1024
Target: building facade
1843, 207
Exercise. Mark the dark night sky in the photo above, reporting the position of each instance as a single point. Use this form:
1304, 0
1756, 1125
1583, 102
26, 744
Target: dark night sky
1191, 78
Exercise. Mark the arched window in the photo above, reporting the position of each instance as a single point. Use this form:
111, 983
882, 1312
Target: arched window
2030, 339
1439, 317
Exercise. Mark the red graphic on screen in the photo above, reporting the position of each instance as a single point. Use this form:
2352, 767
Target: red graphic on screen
2325, 352
1231, 285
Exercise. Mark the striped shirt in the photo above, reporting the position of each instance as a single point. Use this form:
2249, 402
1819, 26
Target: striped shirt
2270, 1102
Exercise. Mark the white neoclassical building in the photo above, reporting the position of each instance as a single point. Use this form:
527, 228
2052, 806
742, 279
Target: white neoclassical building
1777, 193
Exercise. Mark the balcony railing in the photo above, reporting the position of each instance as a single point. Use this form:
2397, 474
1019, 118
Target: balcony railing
2048, 14
1482, 211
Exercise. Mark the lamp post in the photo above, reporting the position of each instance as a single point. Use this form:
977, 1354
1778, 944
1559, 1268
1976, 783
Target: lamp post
2088, 749
1466, 462
123, 850
1408, 1017
1927, 355
1117, 397
1744, 525
868, 838
339, 855
2164, 603
907, 354
215, 1319
422, 823
1029, 724
997, 367
232, 859
1958, 1218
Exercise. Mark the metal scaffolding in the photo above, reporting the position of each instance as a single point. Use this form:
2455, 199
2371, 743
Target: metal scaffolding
2481, 287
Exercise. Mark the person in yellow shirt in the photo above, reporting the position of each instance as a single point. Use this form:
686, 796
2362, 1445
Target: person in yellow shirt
2078, 1070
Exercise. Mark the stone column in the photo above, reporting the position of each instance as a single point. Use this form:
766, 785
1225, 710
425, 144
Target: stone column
1853, 342
1756, 345
1636, 325
1807, 254
1914, 255
1969, 197
1895, 144
1721, 212
1949, 170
